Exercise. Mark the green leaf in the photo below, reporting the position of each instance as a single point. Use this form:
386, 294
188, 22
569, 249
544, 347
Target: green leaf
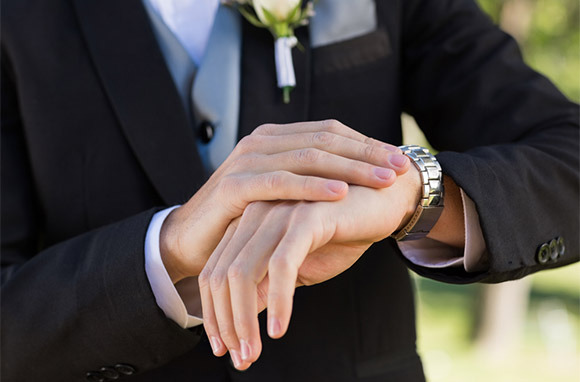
272, 20
252, 19
300, 47
296, 13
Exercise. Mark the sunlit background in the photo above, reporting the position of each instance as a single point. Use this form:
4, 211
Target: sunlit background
527, 330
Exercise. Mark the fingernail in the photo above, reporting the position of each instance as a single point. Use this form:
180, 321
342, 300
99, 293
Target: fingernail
246, 350
394, 149
383, 173
236, 358
336, 186
398, 160
273, 327
215, 345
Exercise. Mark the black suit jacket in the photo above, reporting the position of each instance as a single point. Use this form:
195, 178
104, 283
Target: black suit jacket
95, 140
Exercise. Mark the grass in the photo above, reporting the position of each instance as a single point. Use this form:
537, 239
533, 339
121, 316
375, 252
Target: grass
548, 348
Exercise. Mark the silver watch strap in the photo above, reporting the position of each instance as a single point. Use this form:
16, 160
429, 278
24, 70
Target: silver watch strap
431, 203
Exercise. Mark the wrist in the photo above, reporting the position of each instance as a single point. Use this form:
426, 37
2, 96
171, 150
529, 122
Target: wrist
169, 247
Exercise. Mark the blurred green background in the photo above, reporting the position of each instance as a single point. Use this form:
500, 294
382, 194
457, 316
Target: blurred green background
527, 330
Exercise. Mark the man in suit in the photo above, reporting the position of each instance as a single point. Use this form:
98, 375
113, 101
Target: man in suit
97, 141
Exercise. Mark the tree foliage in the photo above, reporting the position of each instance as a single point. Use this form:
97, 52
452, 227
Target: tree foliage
550, 41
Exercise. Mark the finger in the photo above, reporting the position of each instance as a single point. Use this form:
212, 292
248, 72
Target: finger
329, 125
209, 321
379, 155
262, 293
246, 272
208, 313
235, 192
319, 163
220, 290
282, 274
223, 327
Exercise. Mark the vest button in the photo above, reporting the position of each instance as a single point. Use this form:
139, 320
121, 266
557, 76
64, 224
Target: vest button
206, 131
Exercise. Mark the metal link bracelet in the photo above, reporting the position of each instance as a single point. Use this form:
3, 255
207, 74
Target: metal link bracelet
431, 203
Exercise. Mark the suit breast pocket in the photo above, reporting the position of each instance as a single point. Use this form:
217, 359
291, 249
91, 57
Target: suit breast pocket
357, 82
350, 54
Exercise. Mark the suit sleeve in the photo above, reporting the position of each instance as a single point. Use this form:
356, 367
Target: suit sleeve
82, 304
505, 134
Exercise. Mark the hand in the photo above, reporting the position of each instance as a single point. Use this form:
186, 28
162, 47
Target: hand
277, 246
301, 161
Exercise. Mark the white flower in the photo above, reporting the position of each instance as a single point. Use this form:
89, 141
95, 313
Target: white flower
280, 9
281, 17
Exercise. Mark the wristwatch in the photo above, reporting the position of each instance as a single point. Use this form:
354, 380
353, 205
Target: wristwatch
431, 203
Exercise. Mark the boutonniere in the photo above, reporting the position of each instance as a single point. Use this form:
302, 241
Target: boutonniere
280, 17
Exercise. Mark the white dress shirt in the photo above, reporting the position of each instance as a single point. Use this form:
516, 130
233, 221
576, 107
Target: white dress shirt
191, 21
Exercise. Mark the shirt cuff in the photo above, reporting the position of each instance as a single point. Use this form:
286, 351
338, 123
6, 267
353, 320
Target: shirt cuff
435, 254
166, 294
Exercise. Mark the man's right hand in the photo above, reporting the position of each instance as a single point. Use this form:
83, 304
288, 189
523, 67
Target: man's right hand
302, 161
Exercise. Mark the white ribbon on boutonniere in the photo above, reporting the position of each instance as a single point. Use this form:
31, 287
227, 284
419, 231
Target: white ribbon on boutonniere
280, 17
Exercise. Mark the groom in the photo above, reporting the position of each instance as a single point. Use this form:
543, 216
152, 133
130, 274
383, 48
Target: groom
101, 137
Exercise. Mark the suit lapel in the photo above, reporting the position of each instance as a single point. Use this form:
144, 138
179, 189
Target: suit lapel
135, 77
261, 99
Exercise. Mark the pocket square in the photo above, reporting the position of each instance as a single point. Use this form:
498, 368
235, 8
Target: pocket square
340, 20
